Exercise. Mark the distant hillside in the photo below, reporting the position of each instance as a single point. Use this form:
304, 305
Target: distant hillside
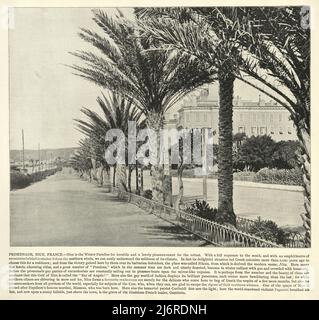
63, 153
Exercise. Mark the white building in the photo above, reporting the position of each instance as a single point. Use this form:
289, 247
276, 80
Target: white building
251, 117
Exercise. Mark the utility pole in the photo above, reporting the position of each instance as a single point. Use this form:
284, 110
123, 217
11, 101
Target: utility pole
23, 166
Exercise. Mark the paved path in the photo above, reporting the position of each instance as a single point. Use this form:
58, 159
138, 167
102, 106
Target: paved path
66, 211
250, 201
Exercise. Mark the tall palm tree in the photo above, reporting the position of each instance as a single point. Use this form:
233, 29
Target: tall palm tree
279, 47
185, 30
274, 57
117, 111
154, 79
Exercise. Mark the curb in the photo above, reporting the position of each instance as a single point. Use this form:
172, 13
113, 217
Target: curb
268, 186
249, 184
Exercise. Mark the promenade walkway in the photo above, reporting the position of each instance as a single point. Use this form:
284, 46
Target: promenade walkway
64, 210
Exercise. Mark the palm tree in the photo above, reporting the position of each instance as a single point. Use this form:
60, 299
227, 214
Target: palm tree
95, 134
273, 56
117, 111
183, 29
81, 160
279, 46
154, 79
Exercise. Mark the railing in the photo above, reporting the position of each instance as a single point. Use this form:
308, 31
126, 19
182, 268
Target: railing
295, 240
217, 234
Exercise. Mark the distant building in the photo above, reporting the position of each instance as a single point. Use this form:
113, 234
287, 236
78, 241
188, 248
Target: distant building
251, 117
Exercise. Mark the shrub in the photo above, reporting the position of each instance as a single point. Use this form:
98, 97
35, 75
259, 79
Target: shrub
245, 176
148, 194
262, 151
203, 210
254, 153
285, 154
268, 230
19, 180
280, 176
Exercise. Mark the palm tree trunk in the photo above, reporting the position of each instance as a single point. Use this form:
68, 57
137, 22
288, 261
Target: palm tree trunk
155, 122
141, 187
114, 176
225, 160
89, 175
99, 172
107, 179
136, 178
121, 177
92, 177
129, 179
94, 170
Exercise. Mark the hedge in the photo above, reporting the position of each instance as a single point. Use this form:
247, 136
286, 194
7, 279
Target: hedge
265, 175
19, 180
281, 176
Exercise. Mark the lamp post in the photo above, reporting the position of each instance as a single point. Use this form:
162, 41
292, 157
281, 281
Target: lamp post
207, 156
204, 164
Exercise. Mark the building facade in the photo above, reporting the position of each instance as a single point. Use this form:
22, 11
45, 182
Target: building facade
249, 117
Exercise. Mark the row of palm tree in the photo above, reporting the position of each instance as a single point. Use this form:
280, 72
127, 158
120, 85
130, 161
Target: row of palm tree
116, 112
165, 53
153, 79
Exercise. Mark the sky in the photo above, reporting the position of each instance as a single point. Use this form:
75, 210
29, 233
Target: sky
45, 96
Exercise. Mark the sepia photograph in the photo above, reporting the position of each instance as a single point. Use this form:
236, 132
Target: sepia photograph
160, 127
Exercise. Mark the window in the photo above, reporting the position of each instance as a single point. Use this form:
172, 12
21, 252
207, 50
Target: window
197, 116
263, 118
280, 131
271, 118
280, 117
205, 116
241, 129
187, 117
263, 130
254, 117
254, 131
241, 117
